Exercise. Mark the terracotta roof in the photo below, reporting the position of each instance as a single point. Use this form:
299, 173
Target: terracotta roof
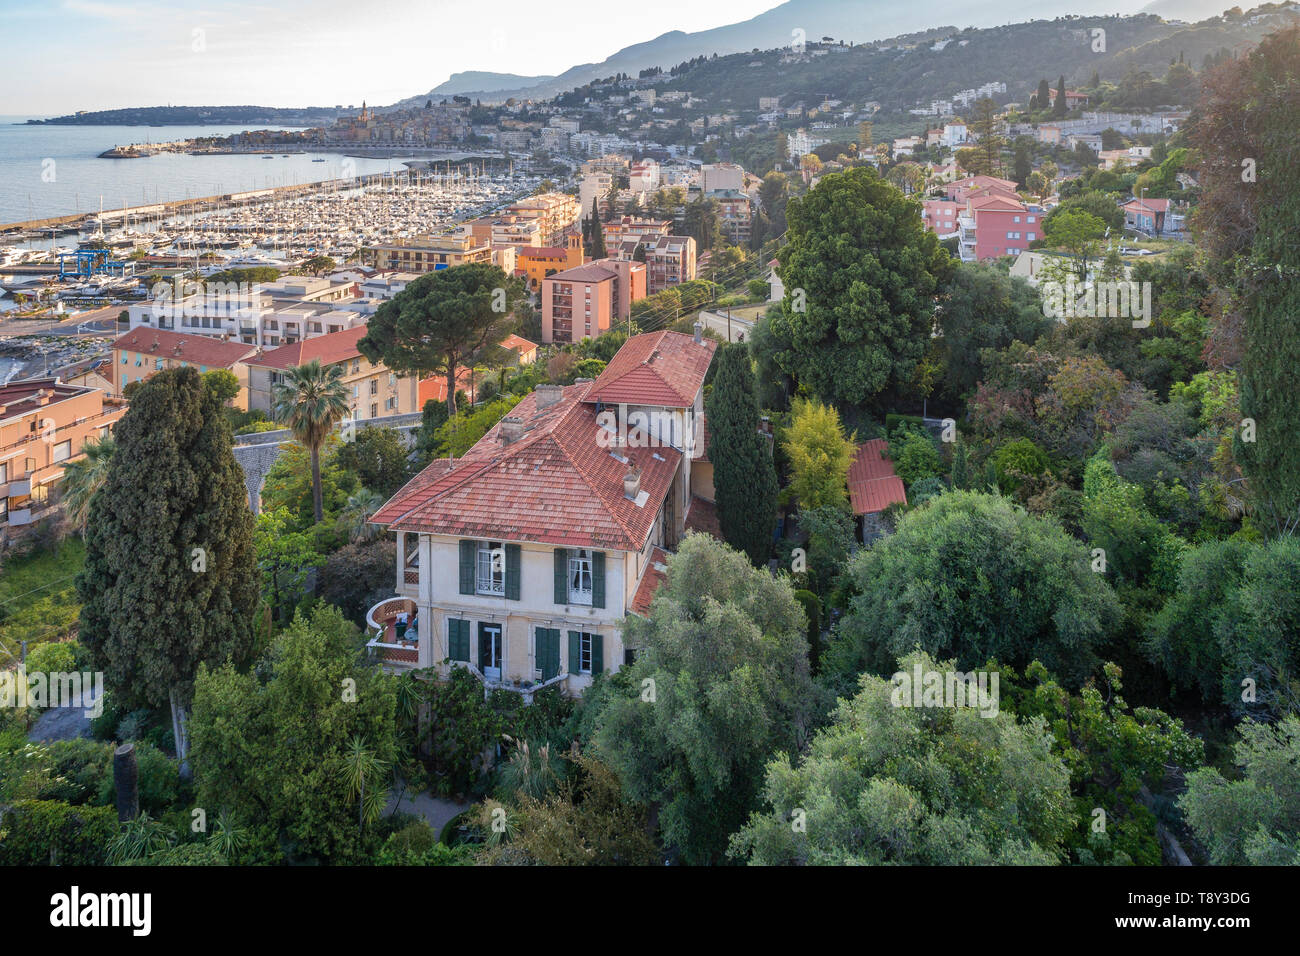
330, 349
873, 486
195, 349
658, 368
554, 485
653, 578
435, 386
1153, 205
541, 252
587, 273
996, 202
19, 398
703, 517
518, 343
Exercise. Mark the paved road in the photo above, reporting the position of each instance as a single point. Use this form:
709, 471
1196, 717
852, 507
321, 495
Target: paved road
95, 322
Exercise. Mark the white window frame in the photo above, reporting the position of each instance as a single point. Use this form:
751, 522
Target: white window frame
490, 569
580, 566
584, 652
65, 444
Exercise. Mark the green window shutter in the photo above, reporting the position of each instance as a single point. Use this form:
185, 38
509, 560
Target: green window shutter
597, 654
561, 576
467, 554
575, 651
598, 579
482, 647
548, 652
458, 640
512, 572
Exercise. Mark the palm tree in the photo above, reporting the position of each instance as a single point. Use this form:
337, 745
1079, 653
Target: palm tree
310, 400
85, 476
361, 766
355, 517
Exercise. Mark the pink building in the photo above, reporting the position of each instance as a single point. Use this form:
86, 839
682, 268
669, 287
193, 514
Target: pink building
962, 189
585, 301
996, 225
939, 216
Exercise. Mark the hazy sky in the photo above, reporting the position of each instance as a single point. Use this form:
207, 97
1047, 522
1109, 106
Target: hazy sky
64, 55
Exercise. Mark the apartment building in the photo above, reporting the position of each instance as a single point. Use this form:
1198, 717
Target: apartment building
588, 300
520, 560
940, 216
373, 391
715, 177
557, 215
140, 354
263, 313
633, 227
431, 253
670, 261
44, 423
994, 224
735, 210
535, 263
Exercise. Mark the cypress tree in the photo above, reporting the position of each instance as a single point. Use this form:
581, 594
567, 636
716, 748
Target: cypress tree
170, 580
1058, 107
597, 243
744, 477
960, 475
1044, 95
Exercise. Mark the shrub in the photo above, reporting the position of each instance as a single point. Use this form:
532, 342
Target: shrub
48, 833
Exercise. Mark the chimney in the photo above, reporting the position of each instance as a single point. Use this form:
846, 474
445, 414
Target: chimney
548, 395
699, 332
632, 484
512, 429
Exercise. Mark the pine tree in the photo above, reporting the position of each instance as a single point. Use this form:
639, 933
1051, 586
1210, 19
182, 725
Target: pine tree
744, 477
170, 580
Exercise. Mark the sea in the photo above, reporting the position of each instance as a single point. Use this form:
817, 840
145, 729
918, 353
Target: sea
50, 171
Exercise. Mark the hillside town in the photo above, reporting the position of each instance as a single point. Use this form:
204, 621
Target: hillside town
901, 473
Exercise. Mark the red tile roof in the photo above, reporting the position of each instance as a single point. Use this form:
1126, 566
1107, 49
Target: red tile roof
588, 273
703, 517
1152, 205
517, 343
657, 368
873, 486
651, 581
195, 349
330, 349
435, 386
555, 485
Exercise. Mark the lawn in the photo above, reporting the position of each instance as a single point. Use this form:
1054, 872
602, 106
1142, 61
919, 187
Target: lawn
38, 599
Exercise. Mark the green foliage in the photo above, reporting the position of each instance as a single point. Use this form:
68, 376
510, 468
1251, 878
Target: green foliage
461, 726
285, 558
744, 477
1232, 617
974, 577
49, 833
865, 272
819, 456
983, 307
271, 747
1254, 820
223, 383
432, 418
914, 455
1138, 548
443, 321
358, 576
38, 595
587, 821
830, 538
288, 483
170, 578
377, 456
1112, 753
886, 784
725, 648
1017, 460
417, 844
463, 430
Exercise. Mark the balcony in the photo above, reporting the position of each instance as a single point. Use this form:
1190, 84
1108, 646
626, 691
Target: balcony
395, 650
20, 487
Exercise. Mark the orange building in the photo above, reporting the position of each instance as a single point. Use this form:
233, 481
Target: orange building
535, 263
43, 425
